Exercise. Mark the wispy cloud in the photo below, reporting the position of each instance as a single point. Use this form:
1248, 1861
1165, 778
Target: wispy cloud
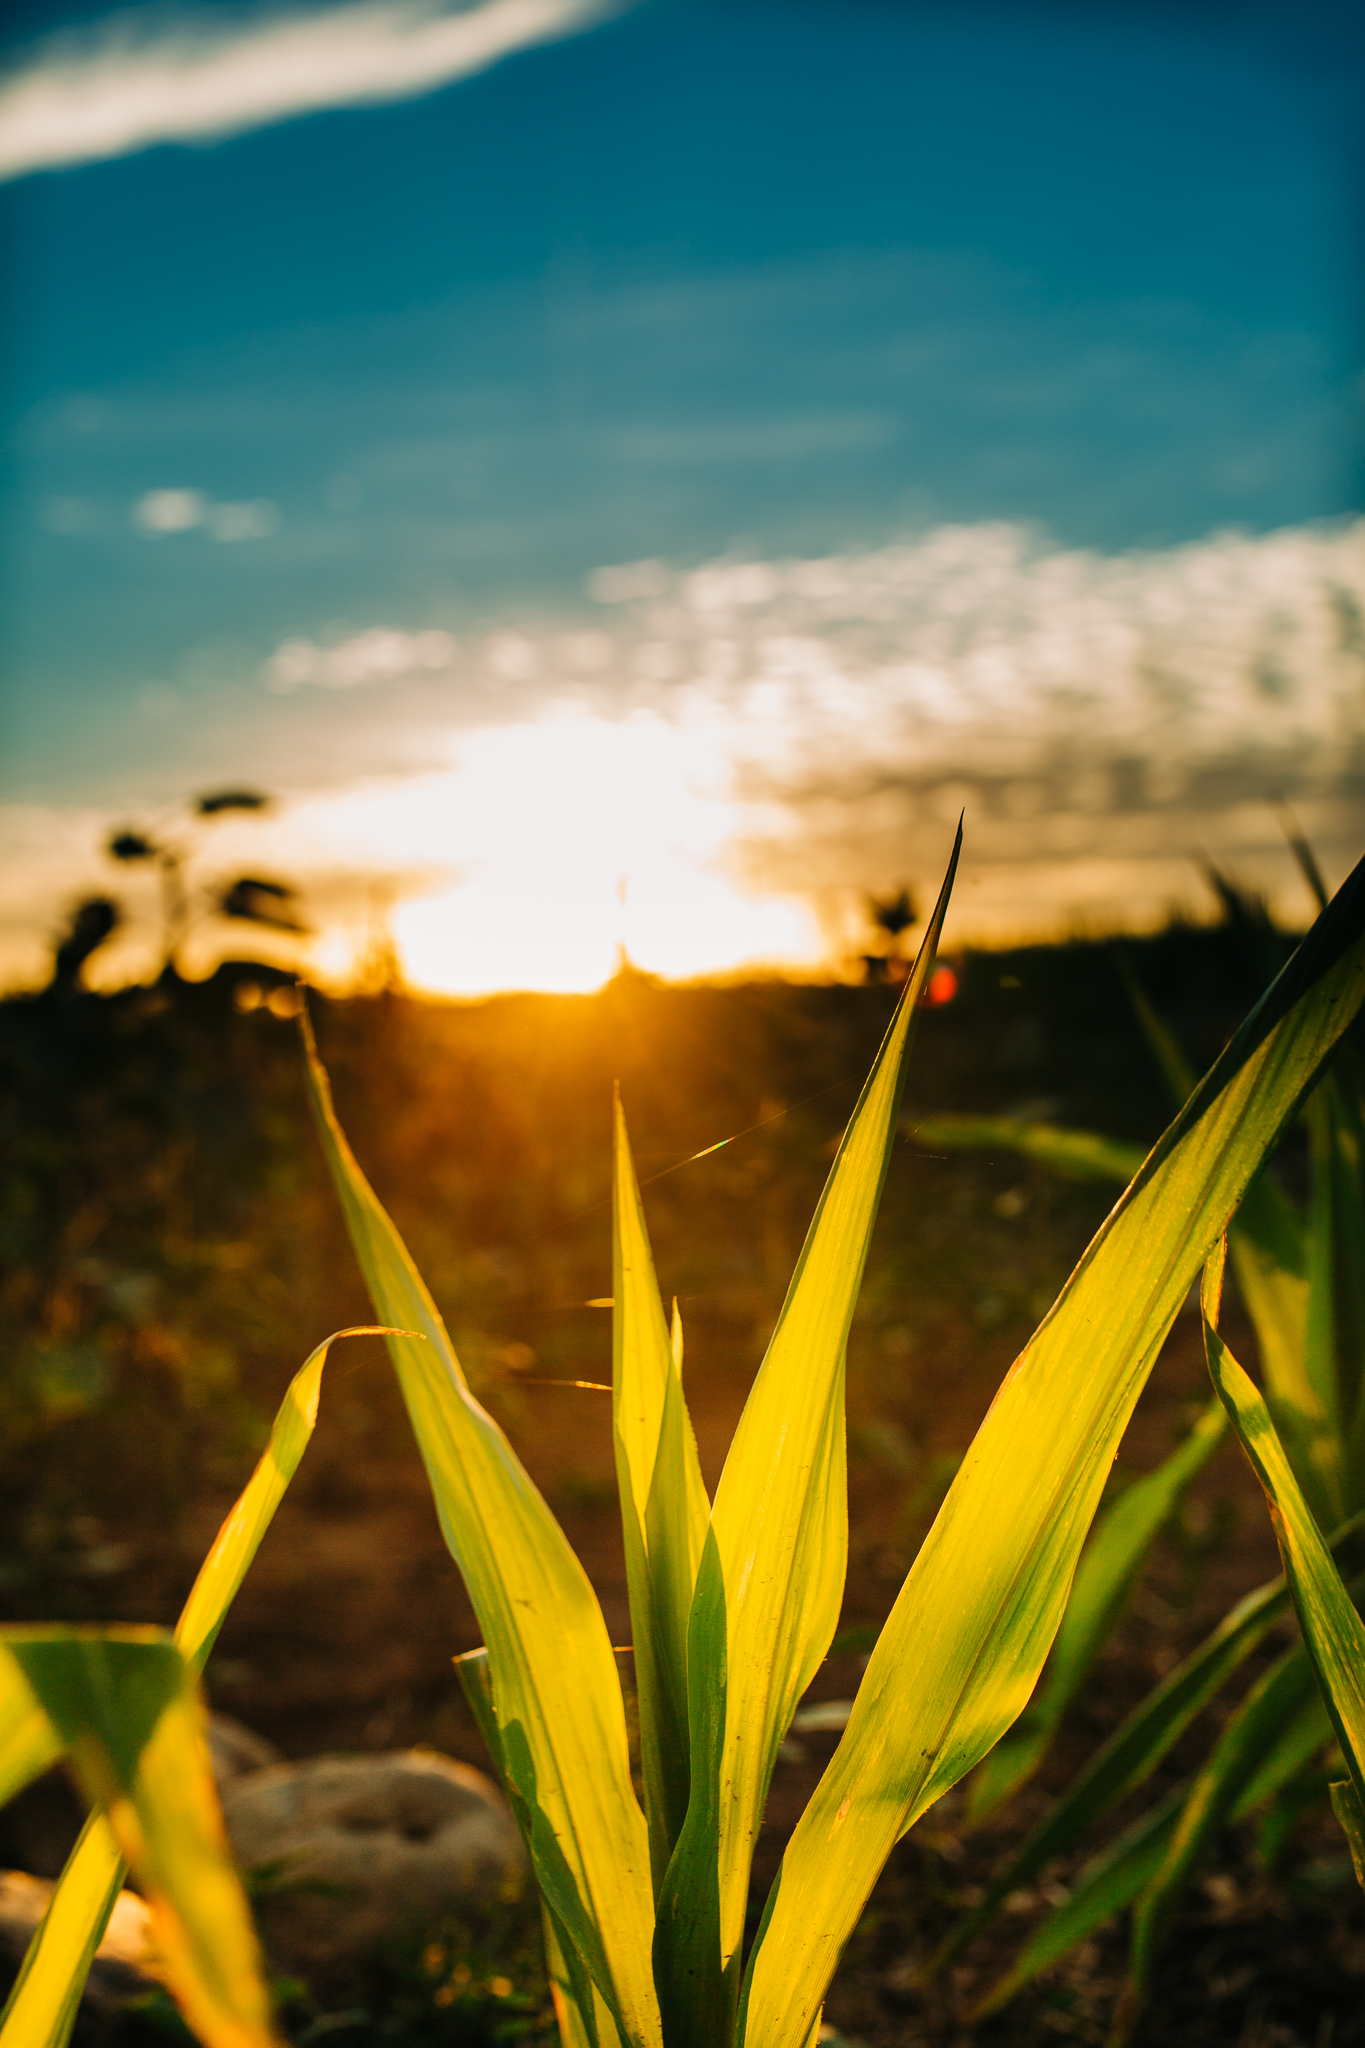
713, 763
134, 79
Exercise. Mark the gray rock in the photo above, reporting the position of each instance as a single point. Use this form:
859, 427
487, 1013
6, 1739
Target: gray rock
123, 1967
363, 1851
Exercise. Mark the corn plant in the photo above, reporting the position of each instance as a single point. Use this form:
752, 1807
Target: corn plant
1301, 1276
122, 1706
734, 1602
1333, 1633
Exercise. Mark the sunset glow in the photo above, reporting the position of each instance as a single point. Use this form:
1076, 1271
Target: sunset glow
548, 847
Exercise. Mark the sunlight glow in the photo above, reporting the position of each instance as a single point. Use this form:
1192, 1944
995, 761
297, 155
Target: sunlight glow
553, 845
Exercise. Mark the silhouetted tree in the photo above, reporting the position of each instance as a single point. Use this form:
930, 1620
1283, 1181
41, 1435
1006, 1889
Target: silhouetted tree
89, 925
249, 898
892, 917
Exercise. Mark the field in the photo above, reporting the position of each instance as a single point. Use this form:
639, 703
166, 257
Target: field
172, 1250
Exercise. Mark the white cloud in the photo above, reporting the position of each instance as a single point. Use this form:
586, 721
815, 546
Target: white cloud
134, 79
181, 511
381, 655
715, 770
169, 511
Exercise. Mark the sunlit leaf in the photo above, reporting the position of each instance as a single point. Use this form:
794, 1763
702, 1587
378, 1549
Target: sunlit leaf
1333, 1632
1107, 1574
1108, 1883
1079, 1155
664, 1508
124, 1706
28, 1743
961, 1651
1291, 1735
1270, 1709
1351, 1820
556, 1695
771, 1578
43, 2001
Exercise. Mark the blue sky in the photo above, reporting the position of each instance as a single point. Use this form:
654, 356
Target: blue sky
697, 278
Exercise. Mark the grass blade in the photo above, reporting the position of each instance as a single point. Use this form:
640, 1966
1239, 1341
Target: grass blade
45, 1998
557, 1697
1105, 1579
1000, 1557
233, 1548
1350, 1815
124, 1706
42, 2005
664, 1508
1333, 1632
771, 1578
1077, 1155
28, 1743
1108, 1883
1268, 1712
1127, 1866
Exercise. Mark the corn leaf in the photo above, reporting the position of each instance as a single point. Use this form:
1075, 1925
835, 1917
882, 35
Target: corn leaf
1320, 1329
976, 1616
1129, 1865
664, 1508
1078, 1155
45, 1998
771, 1577
1350, 1816
125, 1709
1128, 1757
581, 2013
28, 1742
43, 2001
1269, 1712
1345, 1086
1165, 1048
557, 1698
1336, 1269
1266, 1240
1333, 1632
1105, 1579
1108, 1883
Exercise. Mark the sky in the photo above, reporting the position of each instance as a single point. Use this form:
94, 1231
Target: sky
674, 455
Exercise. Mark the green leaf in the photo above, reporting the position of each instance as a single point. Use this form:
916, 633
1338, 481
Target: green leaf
43, 2002
1336, 1269
124, 1706
45, 1998
1079, 1155
1269, 1710
1351, 1819
1108, 1571
1108, 1883
962, 1649
557, 1698
1128, 1757
584, 2018
1266, 1241
1165, 1048
1269, 1257
1333, 1632
1129, 1865
771, 1579
28, 1743
664, 1508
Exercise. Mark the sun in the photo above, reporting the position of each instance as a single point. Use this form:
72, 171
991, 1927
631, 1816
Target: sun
559, 844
